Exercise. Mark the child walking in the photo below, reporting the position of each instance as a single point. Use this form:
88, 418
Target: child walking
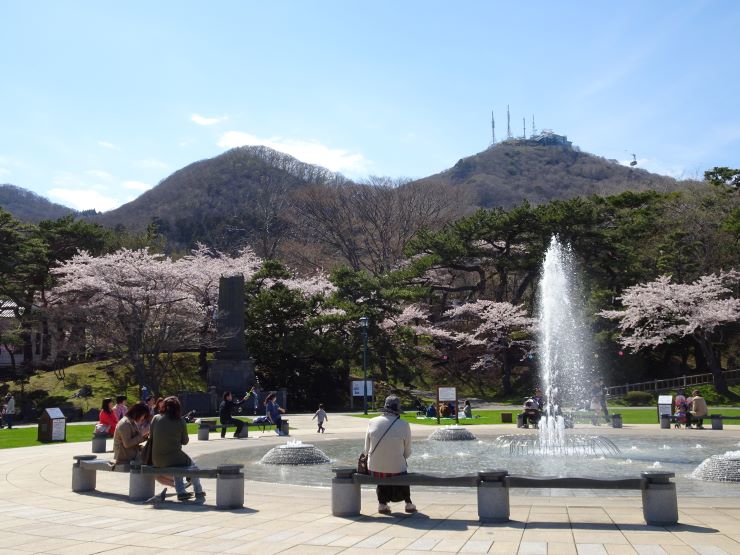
321, 416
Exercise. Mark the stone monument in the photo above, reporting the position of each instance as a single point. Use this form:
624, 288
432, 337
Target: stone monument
232, 368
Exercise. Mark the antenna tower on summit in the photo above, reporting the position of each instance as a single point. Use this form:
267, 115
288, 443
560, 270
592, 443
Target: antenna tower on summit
534, 129
493, 129
524, 128
508, 123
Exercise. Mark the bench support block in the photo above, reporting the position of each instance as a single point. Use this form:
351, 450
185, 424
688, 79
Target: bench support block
245, 431
203, 432
98, 444
82, 480
346, 499
717, 422
140, 486
659, 504
230, 491
493, 502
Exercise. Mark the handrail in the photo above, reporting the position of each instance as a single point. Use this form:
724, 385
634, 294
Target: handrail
667, 384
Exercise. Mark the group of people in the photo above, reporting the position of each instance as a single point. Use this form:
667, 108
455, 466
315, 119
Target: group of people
445, 410
7, 411
690, 410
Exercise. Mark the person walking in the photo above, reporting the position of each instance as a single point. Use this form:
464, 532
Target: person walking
225, 413
388, 446
9, 410
321, 416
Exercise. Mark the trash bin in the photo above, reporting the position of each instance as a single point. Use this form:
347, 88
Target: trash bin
616, 420
52, 426
665, 410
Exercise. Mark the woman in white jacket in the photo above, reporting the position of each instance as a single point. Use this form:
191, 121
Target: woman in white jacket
388, 445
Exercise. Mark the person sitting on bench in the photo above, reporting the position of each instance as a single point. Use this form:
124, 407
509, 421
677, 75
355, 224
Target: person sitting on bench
225, 413
532, 409
698, 410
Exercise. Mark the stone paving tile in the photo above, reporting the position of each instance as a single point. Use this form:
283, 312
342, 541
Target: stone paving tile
449, 545
532, 548
312, 550
591, 549
649, 549
87, 548
476, 546
423, 544
504, 548
346, 541
398, 543
619, 549
561, 548
370, 551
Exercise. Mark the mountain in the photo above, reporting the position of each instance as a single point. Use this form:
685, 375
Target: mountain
29, 207
236, 197
543, 168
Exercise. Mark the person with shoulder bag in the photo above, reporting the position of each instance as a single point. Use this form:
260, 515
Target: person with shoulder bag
388, 446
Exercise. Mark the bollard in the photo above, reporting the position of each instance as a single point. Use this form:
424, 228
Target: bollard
245, 431
98, 443
665, 421
284, 428
203, 432
520, 420
493, 496
346, 499
659, 502
140, 486
83, 480
717, 422
616, 420
230, 487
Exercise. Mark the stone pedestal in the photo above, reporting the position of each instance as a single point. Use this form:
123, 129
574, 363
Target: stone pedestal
236, 376
140, 486
659, 501
230, 487
493, 496
98, 444
346, 498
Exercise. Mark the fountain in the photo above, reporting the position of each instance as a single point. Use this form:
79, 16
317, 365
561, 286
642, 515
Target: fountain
719, 468
295, 453
525, 445
452, 433
562, 345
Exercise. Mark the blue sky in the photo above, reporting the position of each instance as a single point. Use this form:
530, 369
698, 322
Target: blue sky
100, 101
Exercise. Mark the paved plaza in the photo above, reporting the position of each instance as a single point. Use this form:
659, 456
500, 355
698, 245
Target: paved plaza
40, 514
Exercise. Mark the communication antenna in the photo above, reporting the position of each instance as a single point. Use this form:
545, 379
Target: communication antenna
508, 123
534, 130
493, 129
524, 128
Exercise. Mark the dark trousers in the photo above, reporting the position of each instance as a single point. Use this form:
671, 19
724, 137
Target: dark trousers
386, 494
531, 417
231, 421
8, 419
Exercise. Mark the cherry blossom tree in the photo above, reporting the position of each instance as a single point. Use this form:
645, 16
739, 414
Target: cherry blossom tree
660, 311
140, 307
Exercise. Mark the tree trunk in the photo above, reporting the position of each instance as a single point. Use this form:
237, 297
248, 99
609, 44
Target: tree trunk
713, 363
506, 374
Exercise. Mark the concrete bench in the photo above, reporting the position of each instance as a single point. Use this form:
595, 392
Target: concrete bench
659, 502
204, 429
717, 421
229, 479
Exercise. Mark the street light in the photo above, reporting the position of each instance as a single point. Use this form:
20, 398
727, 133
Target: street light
364, 323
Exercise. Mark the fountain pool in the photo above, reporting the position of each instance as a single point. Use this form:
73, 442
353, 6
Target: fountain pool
674, 453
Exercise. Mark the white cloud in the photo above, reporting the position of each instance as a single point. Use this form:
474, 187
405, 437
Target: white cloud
100, 174
106, 144
136, 186
204, 120
151, 163
313, 152
84, 199
4, 171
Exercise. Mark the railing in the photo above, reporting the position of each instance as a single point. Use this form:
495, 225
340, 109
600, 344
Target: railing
671, 384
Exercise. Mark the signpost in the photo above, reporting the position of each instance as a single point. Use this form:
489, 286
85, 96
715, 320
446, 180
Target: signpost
358, 389
447, 394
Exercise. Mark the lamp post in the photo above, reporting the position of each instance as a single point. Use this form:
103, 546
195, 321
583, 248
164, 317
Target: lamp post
364, 323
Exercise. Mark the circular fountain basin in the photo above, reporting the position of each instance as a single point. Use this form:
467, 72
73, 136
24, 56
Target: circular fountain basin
452, 433
669, 453
295, 453
719, 468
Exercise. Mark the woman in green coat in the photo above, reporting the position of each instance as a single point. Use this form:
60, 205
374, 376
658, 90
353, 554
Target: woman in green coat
168, 433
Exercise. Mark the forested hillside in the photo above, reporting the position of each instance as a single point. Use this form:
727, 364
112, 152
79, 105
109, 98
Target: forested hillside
29, 207
514, 171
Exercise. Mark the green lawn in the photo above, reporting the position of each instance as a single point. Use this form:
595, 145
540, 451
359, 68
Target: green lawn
26, 437
629, 416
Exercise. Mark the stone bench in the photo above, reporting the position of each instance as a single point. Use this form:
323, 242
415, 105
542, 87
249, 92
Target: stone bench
229, 478
204, 429
717, 421
659, 502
